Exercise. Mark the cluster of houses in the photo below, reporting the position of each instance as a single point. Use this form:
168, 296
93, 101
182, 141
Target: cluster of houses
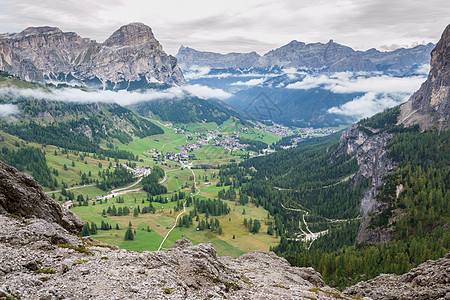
323, 131
204, 139
230, 143
279, 130
307, 133
177, 157
141, 170
155, 153
190, 147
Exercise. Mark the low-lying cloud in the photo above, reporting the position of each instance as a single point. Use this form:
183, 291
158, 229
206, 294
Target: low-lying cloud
120, 97
206, 92
368, 105
350, 83
251, 82
380, 91
196, 72
7, 110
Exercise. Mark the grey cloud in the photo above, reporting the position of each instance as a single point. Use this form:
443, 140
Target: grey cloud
121, 97
6, 110
367, 105
347, 82
241, 26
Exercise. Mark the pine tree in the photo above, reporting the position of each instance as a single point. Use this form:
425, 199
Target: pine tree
270, 230
129, 236
86, 230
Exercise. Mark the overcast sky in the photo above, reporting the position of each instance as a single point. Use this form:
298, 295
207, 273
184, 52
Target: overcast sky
241, 25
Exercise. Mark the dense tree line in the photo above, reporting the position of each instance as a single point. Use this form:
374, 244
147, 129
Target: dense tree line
89, 229
211, 207
188, 110
252, 225
31, 160
307, 167
151, 183
118, 177
421, 215
253, 145
62, 135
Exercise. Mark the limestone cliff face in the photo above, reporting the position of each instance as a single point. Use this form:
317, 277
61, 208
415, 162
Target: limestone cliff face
189, 57
430, 106
368, 145
130, 54
22, 196
331, 57
328, 57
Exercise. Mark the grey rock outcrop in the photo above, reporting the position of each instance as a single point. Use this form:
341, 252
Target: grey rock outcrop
189, 57
399, 59
130, 54
329, 57
22, 196
430, 106
32, 267
430, 280
371, 154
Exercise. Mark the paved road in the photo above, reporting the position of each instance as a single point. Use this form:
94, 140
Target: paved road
72, 188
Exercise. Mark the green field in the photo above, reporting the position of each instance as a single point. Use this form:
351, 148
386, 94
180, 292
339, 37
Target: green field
164, 218
177, 179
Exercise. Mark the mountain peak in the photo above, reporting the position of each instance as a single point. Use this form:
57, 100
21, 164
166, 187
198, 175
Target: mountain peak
40, 30
429, 106
130, 34
130, 54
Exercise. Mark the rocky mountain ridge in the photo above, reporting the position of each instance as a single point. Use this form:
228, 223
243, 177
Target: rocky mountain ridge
131, 56
40, 259
328, 57
428, 107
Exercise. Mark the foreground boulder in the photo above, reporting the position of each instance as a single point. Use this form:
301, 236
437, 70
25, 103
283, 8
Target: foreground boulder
430, 280
22, 196
41, 260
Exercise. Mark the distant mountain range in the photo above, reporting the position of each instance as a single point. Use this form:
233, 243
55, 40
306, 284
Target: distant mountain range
130, 58
329, 57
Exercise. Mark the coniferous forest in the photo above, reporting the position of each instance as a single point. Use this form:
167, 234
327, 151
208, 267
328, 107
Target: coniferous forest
308, 179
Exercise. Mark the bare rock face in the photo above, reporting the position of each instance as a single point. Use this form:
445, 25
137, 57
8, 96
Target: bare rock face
429, 107
430, 280
33, 267
328, 57
189, 57
22, 196
371, 154
130, 54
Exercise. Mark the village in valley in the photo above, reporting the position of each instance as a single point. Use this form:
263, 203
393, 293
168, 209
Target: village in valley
231, 141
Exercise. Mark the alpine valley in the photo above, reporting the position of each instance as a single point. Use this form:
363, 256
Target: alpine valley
314, 171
